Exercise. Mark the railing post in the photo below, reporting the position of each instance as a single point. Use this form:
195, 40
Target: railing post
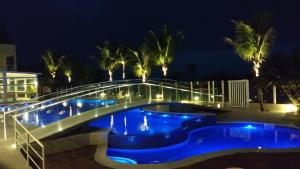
15, 129
208, 91
43, 155
274, 95
139, 90
162, 90
128, 90
213, 91
192, 93
176, 91
229, 93
150, 93
4, 125
27, 148
247, 93
4, 75
223, 92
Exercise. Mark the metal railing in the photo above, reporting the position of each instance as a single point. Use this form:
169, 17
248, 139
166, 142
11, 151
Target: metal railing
32, 148
133, 90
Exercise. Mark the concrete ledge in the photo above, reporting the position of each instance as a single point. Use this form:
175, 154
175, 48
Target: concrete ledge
101, 157
75, 142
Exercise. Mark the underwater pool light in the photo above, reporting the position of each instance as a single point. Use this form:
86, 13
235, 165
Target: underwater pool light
65, 104
123, 160
79, 104
185, 117
249, 126
165, 115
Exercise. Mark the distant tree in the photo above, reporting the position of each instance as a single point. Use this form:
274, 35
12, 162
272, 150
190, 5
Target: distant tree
123, 58
66, 66
163, 46
52, 65
292, 90
142, 66
109, 58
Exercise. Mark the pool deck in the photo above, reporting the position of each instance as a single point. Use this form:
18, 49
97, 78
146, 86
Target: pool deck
11, 158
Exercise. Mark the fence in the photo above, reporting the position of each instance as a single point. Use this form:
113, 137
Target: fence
123, 92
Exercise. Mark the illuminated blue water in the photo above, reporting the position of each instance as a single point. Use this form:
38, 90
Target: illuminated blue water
63, 110
220, 137
137, 121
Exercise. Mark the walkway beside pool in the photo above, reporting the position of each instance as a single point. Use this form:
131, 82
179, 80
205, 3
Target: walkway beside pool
10, 157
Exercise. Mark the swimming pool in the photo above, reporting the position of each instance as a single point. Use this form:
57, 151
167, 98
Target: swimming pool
51, 114
215, 138
138, 128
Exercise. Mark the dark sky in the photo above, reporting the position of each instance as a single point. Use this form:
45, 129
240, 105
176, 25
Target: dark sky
74, 27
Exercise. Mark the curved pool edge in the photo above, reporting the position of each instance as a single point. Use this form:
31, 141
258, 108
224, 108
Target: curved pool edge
159, 140
101, 157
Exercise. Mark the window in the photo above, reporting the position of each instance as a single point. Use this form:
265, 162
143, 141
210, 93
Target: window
10, 62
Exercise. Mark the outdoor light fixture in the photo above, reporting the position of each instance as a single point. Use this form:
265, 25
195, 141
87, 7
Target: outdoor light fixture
102, 94
196, 98
13, 146
42, 107
159, 96
291, 108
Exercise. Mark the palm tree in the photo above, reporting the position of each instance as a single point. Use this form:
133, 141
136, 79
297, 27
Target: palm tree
52, 66
123, 59
250, 45
163, 46
142, 67
67, 71
109, 59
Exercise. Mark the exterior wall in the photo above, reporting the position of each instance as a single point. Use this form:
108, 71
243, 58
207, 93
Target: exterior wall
7, 50
17, 86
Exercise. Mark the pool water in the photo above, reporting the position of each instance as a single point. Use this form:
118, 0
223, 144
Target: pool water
137, 121
211, 139
63, 110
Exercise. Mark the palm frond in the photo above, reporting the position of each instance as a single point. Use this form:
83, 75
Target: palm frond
163, 45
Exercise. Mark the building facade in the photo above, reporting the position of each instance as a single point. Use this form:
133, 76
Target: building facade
15, 86
8, 61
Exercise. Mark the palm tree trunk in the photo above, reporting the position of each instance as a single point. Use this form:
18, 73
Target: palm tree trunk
144, 78
53, 75
260, 98
123, 66
256, 67
165, 70
110, 73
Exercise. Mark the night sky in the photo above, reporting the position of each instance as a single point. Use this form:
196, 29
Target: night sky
75, 27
